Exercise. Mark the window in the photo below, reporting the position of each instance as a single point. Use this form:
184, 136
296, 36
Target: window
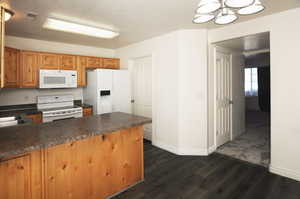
251, 82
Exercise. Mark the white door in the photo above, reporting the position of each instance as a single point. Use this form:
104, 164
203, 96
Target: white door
142, 91
223, 98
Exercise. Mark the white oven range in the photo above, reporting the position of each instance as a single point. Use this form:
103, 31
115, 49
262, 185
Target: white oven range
58, 107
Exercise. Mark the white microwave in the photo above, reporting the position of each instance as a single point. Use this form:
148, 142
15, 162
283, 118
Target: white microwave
58, 79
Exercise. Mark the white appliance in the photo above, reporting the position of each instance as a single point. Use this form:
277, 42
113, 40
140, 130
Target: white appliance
59, 107
8, 121
58, 79
108, 91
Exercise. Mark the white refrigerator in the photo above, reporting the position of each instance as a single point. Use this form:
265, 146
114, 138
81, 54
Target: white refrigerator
108, 91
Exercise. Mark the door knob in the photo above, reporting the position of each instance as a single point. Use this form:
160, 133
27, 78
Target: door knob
230, 102
132, 101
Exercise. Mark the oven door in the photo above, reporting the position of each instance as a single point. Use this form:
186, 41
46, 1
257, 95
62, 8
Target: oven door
58, 79
51, 117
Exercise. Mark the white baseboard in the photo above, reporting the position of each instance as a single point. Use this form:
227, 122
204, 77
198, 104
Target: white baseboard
166, 147
211, 149
181, 151
285, 172
192, 152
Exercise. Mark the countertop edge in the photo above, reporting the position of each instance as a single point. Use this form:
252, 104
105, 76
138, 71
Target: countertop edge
67, 139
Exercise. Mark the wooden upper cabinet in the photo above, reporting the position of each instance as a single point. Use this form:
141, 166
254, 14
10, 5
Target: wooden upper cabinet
81, 72
111, 63
94, 62
100, 62
29, 69
49, 61
67, 62
11, 68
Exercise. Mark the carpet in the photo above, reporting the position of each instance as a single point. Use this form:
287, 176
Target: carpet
254, 145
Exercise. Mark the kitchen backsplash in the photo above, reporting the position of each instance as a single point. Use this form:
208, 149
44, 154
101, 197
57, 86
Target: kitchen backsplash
29, 96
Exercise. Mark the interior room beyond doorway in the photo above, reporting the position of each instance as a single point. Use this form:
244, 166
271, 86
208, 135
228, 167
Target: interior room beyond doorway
249, 99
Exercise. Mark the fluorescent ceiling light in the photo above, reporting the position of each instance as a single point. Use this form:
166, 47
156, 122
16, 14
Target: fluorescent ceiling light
55, 24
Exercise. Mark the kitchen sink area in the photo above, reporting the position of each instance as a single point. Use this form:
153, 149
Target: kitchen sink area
14, 120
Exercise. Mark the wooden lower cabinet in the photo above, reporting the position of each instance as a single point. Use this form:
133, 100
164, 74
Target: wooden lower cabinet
93, 168
36, 118
21, 177
87, 111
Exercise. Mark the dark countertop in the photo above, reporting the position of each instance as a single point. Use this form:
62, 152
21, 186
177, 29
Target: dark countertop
83, 105
18, 110
86, 106
17, 140
28, 109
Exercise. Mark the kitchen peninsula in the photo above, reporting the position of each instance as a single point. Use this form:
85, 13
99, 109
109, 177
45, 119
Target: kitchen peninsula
92, 157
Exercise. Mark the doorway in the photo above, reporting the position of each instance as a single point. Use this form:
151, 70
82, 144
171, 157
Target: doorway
249, 102
141, 71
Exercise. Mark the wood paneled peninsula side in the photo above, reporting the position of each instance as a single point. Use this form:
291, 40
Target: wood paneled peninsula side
91, 157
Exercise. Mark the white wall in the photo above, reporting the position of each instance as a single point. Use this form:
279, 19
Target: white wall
192, 92
27, 96
179, 88
164, 51
285, 108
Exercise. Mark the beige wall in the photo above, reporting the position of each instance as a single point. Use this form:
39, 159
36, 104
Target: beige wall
29, 96
285, 108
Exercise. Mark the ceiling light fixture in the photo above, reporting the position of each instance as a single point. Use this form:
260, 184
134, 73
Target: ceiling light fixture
207, 6
60, 25
225, 11
202, 18
8, 14
238, 3
225, 16
253, 9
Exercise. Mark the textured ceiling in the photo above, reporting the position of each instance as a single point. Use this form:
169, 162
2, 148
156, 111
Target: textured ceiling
136, 20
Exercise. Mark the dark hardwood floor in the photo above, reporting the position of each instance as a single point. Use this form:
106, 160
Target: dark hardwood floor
168, 176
